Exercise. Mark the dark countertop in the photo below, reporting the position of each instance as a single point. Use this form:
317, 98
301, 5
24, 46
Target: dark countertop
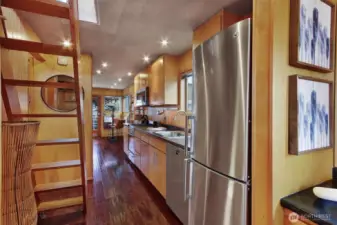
317, 210
143, 128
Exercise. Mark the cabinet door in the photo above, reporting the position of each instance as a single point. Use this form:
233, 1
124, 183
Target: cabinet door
126, 139
157, 170
134, 158
145, 159
157, 83
132, 144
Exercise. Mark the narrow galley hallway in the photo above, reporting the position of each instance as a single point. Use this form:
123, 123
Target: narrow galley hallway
117, 195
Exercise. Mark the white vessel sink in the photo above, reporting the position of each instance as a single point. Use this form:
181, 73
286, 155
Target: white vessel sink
326, 193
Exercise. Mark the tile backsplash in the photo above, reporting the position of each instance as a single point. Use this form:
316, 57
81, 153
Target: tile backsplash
167, 117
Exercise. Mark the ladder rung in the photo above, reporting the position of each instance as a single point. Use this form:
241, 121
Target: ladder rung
30, 46
47, 8
58, 185
44, 115
43, 206
55, 165
59, 142
32, 83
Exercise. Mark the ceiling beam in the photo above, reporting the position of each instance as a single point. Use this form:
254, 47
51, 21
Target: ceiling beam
44, 7
29, 46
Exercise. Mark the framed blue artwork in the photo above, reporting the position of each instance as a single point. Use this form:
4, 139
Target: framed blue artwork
310, 114
312, 34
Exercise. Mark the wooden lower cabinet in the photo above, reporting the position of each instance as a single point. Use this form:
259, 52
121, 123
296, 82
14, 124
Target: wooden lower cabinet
126, 139
145, 159
158, 170
150, 160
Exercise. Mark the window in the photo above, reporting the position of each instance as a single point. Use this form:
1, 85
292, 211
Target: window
112, 109
126, 104
186, 92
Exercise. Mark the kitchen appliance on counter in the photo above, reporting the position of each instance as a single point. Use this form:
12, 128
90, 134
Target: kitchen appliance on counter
175, 157
142, 97
218, 164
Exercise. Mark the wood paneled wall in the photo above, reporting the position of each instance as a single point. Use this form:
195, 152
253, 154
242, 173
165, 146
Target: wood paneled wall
55, 128
290, 173
21, 65
107, 92
185, 62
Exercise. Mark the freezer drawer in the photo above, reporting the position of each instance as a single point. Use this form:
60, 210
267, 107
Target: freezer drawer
216, 199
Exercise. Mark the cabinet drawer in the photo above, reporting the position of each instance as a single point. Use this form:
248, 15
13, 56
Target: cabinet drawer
145, 138
158, 144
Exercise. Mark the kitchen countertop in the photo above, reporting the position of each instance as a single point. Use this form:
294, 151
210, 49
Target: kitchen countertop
143, 128
317, 210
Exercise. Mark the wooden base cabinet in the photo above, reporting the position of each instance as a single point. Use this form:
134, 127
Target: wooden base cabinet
158, 170
145, 159
126, 139
149, 159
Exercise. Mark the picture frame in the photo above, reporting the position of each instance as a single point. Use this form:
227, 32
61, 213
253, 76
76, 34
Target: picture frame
312, 35
310, 114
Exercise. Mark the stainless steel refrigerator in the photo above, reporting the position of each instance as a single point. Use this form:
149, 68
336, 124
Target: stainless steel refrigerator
219, 162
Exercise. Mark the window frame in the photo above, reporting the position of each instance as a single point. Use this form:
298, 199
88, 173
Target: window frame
184, 77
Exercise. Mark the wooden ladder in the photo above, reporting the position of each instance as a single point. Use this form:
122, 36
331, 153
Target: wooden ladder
64, 11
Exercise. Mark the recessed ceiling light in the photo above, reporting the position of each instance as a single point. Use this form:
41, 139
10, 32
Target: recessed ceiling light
104, 64
146, 58
66, 43
129, 73
98, 71
115, 84
119, 79
164, 42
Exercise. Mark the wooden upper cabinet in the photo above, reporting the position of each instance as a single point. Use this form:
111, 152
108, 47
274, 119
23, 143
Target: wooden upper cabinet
163, 81
215, 24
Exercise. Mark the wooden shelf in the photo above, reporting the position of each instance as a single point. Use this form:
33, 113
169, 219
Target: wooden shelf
31, 83
48, 8
55, 165
37, 47
58, 185
65, 141
44, 115
43, 206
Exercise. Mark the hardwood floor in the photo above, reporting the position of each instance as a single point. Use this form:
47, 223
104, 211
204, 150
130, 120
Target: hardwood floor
118, 195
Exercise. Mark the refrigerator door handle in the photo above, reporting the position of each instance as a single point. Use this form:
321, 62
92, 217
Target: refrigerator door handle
188, 152
186, 163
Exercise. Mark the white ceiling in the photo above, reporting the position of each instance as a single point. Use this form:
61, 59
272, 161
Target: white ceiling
128, 29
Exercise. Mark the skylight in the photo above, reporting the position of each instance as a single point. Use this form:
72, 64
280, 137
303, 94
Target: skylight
86, 9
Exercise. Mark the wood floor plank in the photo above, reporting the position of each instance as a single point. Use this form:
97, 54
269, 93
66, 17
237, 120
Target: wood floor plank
119, 194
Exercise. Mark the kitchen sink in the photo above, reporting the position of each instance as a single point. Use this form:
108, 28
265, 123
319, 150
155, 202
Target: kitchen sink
171, 134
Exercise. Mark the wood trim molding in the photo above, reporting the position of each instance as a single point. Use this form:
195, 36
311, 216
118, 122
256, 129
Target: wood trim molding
262, 52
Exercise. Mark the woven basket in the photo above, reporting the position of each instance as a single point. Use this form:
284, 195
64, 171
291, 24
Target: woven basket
18, 200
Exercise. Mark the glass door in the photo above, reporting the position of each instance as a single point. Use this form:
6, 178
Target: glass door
96, 115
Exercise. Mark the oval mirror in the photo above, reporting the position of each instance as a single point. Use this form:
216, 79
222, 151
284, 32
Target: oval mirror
60, 99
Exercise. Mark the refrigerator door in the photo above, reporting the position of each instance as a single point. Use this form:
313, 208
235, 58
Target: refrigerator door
221, 101
216, 199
